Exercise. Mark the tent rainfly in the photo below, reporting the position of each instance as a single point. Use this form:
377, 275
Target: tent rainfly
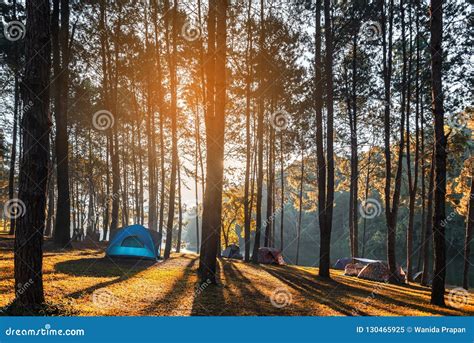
343, 262
270, 256
379, 271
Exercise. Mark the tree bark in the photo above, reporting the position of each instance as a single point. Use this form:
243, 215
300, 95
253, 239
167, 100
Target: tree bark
109, 96
282, 199
326, 228
150, 129
114, 154
106, 221
421, 134
321, 160
163, 177
247, 209
209, 64
204, 99
270, 184
33, 178
260, 143
366, 196
11, 172
174, 138
429, 223
391, 201
125, 205
196, 163
62, 234
162, 119
412, 180
467, 242
50, 214
180, 212
136, 190
354, 187
215, 127
300, 207
90, 206
436, 29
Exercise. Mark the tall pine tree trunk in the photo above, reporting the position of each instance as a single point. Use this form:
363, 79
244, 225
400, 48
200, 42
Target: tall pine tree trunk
174, 138
391, 201
196, 173
125, 203
326, 228
163, 177
247, 209
436, 29
215, 126
282, 195
159, 96
270, 184
180, 212
204, 99
11, 172
150, 130
354, 210
106, 221
366, 196
321, 160
260, 138
16, 107
468, 239
50, 213
33, 178
412, 180
90, 215
115, 154
115, 179
420, 139
61, 86
425, 279
300, 207
136, 190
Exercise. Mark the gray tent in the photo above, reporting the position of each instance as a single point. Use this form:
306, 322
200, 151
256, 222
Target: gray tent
232, 251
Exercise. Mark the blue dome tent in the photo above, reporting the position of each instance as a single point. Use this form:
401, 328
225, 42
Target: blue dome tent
134, 241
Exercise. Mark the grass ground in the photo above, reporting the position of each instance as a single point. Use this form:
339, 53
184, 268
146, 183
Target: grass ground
87, 283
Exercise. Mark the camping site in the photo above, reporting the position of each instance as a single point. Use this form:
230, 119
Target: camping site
236, 158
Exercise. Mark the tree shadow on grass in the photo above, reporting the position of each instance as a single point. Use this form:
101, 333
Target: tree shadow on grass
102, 267
335, 292
171, 300
258, 303
56, 253
209, 299
417, 305
45, 279
237, 296
322, 290
406, 296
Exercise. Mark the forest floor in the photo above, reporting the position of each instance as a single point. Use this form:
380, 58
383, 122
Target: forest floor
85, 282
